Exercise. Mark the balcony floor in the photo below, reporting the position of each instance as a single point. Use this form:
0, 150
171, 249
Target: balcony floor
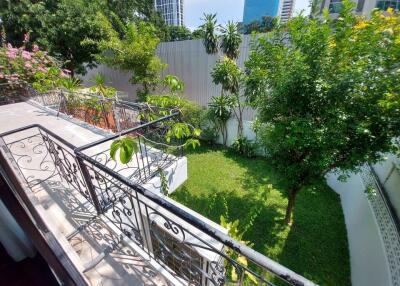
65, 209
76, 132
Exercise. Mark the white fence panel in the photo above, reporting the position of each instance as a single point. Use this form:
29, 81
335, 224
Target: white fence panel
187, 60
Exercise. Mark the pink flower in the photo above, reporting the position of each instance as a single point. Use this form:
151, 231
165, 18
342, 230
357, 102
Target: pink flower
26, 37
11, 54
28, 65
35, 48
42, 69
26, 55
66, 71
9, 46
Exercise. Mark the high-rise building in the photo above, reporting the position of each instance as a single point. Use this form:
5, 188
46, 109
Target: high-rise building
171, 11
286, 11
363, 7
254, 10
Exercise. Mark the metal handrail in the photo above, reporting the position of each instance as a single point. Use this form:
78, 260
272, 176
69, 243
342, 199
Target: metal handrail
256, 257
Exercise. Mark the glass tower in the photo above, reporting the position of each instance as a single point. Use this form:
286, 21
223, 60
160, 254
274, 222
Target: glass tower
171, 11
254, 10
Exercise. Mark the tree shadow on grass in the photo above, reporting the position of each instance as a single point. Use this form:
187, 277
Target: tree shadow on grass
316, 245
261, 221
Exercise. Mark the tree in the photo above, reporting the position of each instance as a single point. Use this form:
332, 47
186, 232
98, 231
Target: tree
60, 26
178, 33
231, 40
220, 111
209, 28
228, 74
134, 52
198, 34
57, 26
266, 24
328, 99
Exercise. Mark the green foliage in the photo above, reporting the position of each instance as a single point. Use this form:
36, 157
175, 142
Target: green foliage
209, 28
99, 81
227, 73
61, 26
178, 33
220, 110
267, 24
178, 130
57, 26
230, 40
174, 84
325, 98
233, 231
198, 33
70, 83
164, 182
191, 112
244, 146
127, 146
134, 52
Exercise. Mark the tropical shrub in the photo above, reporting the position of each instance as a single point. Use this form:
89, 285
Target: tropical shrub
210, 37
228, 74
219, 112
244, 146
231, 40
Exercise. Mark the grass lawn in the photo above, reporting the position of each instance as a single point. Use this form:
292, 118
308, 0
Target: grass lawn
315, 246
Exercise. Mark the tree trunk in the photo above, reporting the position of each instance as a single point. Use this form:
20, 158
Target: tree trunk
240, 120
290, 206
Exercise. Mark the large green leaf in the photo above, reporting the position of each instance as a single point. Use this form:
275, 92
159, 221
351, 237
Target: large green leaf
127, 146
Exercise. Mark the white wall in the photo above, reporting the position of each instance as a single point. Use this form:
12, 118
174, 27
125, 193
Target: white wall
373, 239
368, 261
232, 131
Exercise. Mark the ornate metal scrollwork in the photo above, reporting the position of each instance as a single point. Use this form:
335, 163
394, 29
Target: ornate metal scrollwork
32, 158
66, 165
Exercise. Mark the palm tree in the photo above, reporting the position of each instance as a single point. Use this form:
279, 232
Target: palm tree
209, 28
231, 40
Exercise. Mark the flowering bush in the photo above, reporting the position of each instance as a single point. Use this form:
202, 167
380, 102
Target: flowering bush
19, 66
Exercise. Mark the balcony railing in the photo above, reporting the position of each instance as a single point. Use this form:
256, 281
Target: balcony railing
185, 247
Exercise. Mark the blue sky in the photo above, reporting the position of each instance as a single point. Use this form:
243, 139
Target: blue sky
226, 10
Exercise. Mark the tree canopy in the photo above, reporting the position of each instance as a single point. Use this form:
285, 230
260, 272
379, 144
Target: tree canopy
60, 26
327, 94
133, 51
178, 33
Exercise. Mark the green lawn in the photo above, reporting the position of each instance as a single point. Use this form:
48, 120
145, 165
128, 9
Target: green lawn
315, 246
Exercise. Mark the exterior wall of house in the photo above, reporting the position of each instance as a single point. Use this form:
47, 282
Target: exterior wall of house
363, 7
368, 263
374, 241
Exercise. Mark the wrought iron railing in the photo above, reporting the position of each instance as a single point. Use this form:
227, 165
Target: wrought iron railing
110, 113
187, 247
